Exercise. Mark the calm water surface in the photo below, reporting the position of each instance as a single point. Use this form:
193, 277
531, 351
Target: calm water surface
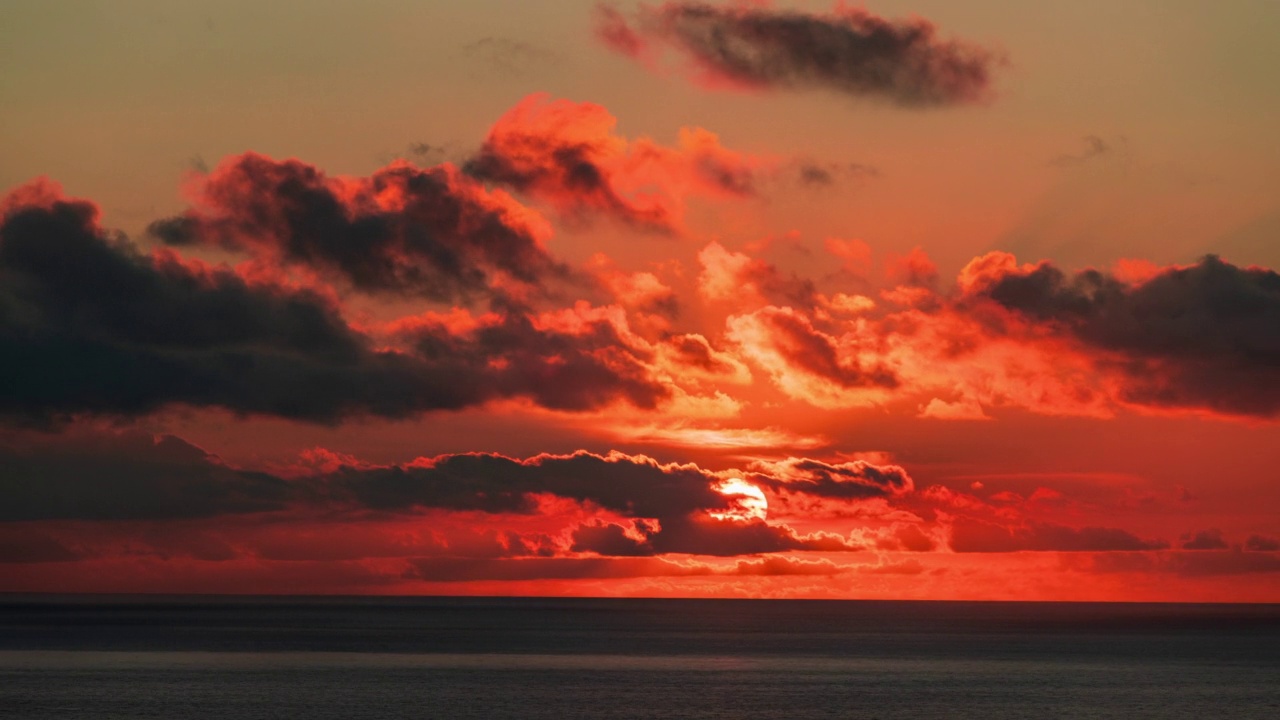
232, 658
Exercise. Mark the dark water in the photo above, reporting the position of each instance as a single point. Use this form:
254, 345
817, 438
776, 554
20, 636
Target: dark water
537, 658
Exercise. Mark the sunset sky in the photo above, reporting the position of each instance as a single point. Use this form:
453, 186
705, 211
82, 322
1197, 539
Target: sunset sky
910, 300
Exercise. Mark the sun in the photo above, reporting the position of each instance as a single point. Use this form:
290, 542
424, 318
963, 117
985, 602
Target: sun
749, 502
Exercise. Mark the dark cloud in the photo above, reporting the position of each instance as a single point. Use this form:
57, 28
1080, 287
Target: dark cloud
90, 325
849, 51
127, 476
429, 232
611, 539
844, 481
569, 371
22, 544
982, 537
1205, 540
132, 476
701, 535
630, 485
1200, 563
1204, 336
1259, 543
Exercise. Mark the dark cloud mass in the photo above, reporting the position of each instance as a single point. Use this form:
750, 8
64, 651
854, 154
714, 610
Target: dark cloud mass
404, 229
1260, 543
131, 476
1202, 336
123, 476
1205, 540
90, 325
849, 50
698, 534
87, 324
126, 477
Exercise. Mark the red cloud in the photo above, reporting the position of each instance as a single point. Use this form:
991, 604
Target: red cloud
567, 154
431, 232
1206, 336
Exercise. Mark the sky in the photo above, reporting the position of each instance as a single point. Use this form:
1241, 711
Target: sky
903, 300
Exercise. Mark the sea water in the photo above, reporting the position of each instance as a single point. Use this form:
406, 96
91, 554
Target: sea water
319, 658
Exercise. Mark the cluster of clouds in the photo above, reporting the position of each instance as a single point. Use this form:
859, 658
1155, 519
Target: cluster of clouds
95, 327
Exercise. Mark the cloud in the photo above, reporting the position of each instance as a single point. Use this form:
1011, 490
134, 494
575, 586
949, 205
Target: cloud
635, 486
604, 568
982, 537
808, 363
672, 508
430, 232
844, 481
813, 173
734, 276
1197, 563
1205, 540
22, 545
700, 534
568, 155
126, 476
133, 476
1204, 336
1259, 543
849, 51
962, 409
581, 363
91, 325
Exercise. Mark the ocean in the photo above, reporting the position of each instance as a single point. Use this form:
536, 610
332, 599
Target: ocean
232, 658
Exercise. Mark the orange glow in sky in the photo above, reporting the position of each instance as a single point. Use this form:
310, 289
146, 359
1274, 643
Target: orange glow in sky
979, 302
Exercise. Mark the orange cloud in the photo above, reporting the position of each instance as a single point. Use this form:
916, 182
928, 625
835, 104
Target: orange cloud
568, 155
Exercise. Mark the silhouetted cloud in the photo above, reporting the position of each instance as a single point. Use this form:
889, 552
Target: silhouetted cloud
1205, 540
700, 534
1259, 543
424, 231
1202, 336
24, 544
127, 476
849, 50
90, 325
673, 508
